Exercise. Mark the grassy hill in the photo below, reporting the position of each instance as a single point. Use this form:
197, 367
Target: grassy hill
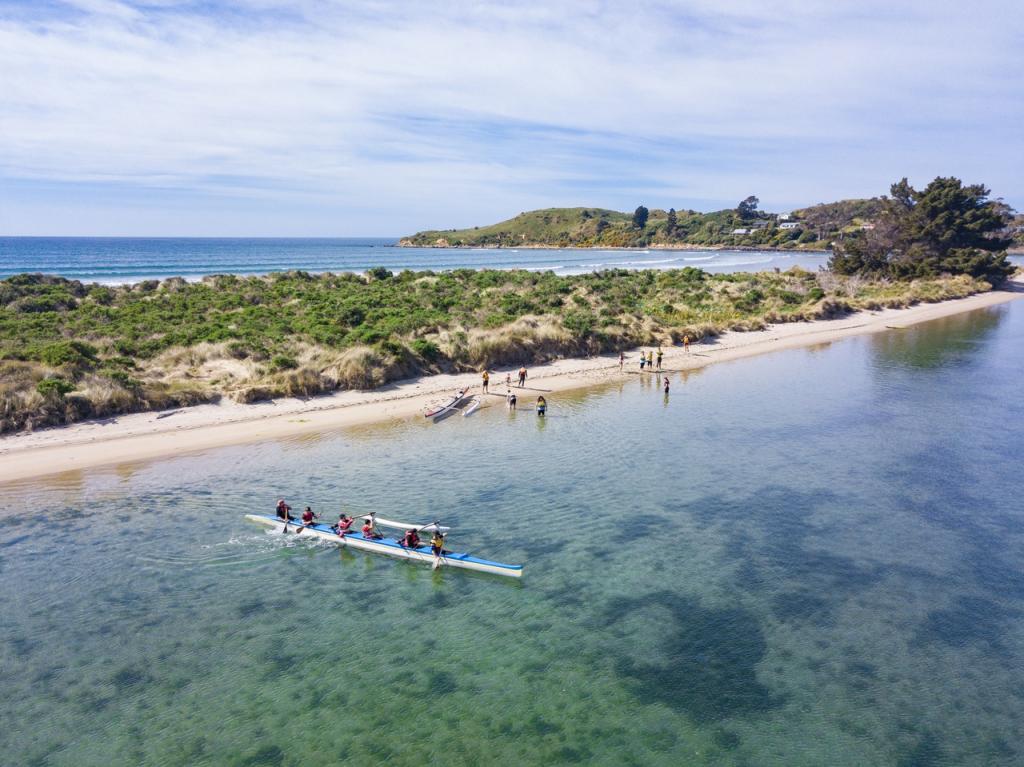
811, 228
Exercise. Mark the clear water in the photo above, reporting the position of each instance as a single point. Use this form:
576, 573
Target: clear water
130, 259
807, 558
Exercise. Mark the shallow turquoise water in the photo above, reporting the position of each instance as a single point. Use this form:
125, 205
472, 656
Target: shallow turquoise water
812, 557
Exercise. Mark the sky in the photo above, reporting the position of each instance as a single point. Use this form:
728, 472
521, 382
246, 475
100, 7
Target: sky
380, 118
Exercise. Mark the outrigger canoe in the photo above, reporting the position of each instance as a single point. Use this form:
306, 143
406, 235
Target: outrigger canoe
449, 406
473, 407
391, 548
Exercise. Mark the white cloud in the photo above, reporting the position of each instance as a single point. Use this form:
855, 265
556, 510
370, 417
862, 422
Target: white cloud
378, 105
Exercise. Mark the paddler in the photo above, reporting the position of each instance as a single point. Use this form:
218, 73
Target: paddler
411, 539
284, 510
437, 543
542, 405
308, 516
369, 532
344, 525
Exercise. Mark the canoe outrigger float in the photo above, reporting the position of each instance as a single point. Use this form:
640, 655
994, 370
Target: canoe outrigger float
392, 548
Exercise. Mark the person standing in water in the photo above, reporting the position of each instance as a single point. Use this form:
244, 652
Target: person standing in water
486, 379
542, 405
511, 400
666, 386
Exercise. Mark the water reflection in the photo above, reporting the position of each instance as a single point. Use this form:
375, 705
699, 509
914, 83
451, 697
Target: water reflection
940, 342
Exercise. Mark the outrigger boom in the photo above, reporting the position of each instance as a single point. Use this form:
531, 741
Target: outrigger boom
391, 548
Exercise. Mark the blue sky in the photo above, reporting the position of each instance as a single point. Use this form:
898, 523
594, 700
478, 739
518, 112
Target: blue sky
371, 117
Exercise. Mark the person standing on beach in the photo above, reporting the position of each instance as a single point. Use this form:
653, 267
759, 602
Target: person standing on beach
643, 360
686, 344
522, 376
622, 361
486, 379
508, 380
660, 354
650, 360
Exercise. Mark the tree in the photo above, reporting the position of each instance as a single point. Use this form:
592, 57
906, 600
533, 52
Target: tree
671, 223
640, 217
946, 228
747, 209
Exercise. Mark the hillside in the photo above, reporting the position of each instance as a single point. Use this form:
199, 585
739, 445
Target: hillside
811, 228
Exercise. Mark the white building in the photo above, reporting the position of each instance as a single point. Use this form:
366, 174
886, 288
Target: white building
790, 225
785, 216
740, 231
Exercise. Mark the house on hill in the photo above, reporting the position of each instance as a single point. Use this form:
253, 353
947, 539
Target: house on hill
741, 231
789, 225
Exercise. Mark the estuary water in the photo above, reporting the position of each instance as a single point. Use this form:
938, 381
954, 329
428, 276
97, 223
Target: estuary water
131, 259
806, 558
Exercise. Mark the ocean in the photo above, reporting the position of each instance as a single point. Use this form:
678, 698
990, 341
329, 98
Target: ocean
130, 259
813, 557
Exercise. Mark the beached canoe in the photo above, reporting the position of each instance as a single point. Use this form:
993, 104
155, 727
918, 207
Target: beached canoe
448, 406
389, 547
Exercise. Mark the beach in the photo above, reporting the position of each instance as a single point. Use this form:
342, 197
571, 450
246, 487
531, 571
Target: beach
153, 435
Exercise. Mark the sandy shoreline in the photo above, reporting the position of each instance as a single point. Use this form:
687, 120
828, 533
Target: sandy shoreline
146, 436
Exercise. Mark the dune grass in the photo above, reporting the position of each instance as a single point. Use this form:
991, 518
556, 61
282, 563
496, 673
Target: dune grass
70, 351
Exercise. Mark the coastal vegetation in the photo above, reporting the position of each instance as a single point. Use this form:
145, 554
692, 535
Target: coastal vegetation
745, 226
818, 227
70, 351
946, 228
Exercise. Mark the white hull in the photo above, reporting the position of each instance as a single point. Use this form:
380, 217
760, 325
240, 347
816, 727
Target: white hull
391, 548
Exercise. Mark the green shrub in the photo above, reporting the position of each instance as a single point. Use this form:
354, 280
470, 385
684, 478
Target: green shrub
68, 353
283, 362
428, 350
54, 388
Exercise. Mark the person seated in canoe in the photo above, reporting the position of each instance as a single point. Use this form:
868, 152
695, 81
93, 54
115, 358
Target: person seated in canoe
542, 405
369, 532
284, 510
437, 543
308, 516
411, 540
344, 524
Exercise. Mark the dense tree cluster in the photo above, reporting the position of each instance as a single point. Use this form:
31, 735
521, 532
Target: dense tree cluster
946, 228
